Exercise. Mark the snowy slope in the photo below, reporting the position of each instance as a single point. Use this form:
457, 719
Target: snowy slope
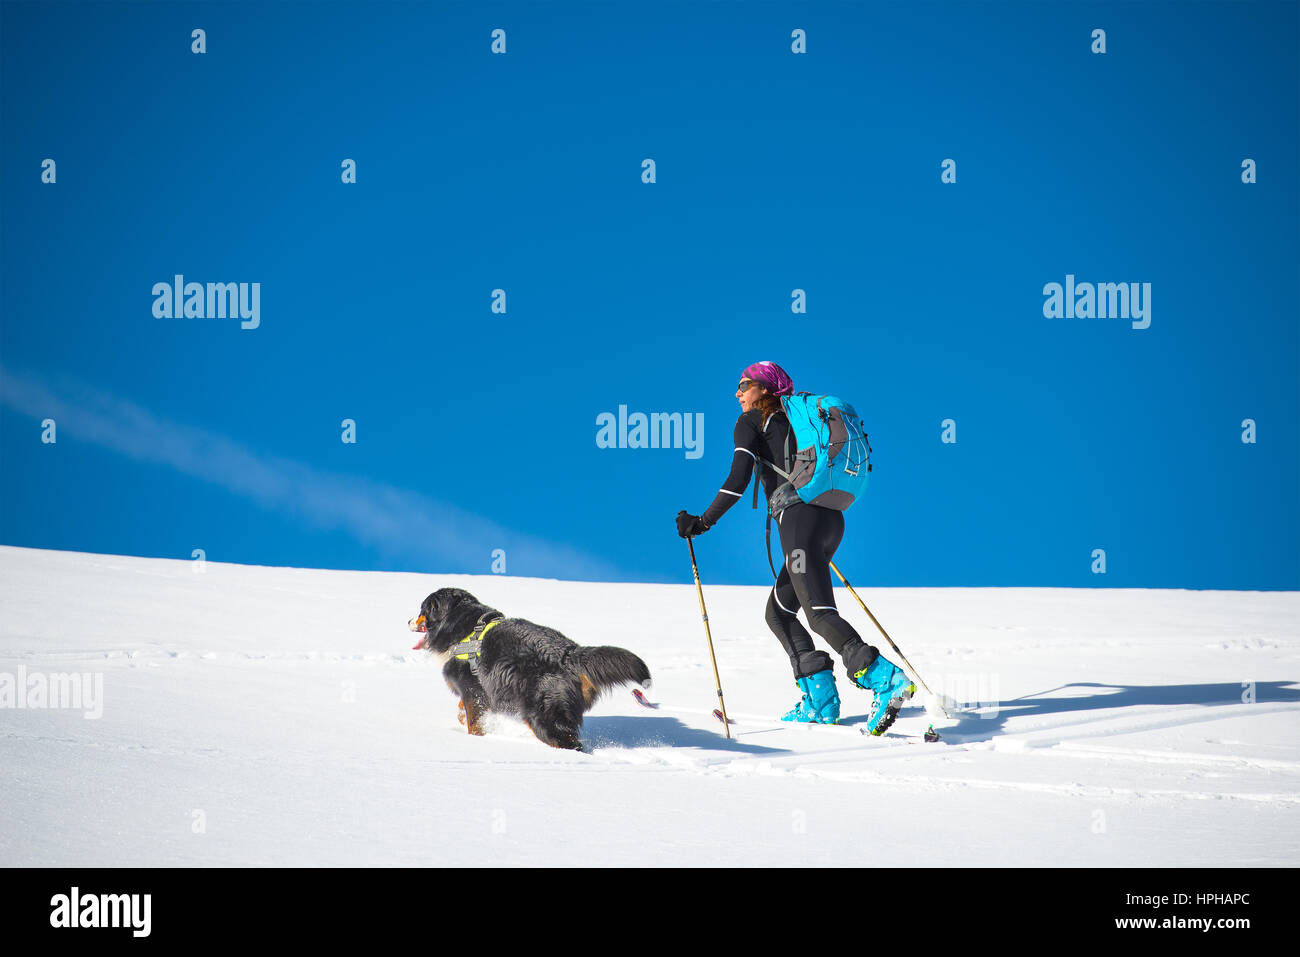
258, 715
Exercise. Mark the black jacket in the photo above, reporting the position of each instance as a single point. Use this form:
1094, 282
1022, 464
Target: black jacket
754, 440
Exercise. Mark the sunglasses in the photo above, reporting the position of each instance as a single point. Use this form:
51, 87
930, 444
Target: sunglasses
747, 384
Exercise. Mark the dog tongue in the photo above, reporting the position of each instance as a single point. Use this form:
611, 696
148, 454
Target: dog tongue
418, 645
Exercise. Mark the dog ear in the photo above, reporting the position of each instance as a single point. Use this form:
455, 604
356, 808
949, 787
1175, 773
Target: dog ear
448, 600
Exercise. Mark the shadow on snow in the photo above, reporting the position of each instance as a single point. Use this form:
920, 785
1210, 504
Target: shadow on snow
1078, 699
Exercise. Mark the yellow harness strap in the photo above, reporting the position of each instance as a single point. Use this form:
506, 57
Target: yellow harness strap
473, 643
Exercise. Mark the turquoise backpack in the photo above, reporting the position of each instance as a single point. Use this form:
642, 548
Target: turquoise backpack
832, 457
831, 460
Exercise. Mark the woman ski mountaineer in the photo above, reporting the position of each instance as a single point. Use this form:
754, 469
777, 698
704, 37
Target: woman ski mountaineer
809, 536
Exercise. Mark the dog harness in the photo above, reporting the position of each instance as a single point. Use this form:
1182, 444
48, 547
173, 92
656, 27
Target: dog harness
470, 647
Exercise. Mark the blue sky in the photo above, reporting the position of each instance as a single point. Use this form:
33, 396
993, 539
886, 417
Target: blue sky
775, 171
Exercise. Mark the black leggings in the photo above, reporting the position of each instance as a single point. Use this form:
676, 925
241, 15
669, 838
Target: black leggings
809, 536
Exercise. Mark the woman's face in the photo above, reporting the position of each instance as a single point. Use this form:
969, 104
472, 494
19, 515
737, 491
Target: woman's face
749, 392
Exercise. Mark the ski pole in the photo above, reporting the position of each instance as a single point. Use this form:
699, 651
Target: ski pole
726, 725
897, 651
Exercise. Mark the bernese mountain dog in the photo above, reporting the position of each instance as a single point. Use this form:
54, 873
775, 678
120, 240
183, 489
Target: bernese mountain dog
515, 667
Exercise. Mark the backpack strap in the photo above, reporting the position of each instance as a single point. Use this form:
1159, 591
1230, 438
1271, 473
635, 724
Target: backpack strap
760, 461
768, 540
784, 473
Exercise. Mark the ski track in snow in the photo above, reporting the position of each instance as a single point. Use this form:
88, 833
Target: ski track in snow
231, 688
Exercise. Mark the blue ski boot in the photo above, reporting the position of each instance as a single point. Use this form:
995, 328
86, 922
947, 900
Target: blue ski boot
892, 688
820, 703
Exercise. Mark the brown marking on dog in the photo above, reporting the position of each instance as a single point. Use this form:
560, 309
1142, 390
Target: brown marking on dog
589, 692
460, 713
473, 714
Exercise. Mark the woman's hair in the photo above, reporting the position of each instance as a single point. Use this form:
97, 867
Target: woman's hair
767, 404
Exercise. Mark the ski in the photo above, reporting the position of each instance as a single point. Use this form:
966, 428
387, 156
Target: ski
642, 700
930, 736
645, 702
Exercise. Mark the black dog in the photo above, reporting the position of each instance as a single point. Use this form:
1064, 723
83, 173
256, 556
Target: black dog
513, 666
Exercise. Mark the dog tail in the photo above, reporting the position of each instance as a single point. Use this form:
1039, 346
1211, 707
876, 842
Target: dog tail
606, 667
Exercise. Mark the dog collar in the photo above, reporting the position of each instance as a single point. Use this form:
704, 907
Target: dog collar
470, 647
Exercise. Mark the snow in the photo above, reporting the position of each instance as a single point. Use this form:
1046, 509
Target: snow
255, 715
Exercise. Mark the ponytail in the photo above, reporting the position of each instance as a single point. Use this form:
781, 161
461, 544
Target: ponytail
768, 404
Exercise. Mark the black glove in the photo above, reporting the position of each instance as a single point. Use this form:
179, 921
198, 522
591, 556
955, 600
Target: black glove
689, 526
